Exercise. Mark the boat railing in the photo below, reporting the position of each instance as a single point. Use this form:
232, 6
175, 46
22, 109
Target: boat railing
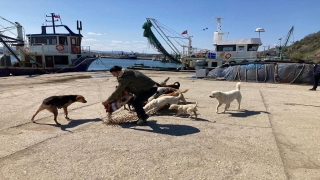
85, 49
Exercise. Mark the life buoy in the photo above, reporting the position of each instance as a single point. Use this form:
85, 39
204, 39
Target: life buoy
59, 47
26, 49
75, 49
227, 55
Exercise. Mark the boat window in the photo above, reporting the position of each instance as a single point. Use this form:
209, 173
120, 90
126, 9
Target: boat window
73, 41
42, 40
241, 48
61, 60
63, 40
253, 47
226, 47
78, 41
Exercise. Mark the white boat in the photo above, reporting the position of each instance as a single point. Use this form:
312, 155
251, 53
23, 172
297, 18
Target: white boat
47, 52
226, 51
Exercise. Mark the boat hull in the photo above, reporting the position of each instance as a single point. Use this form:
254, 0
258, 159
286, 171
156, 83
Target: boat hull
154, 68
79, 66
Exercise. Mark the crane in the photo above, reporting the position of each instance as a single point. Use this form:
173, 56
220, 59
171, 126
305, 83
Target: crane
8, 42
282, 48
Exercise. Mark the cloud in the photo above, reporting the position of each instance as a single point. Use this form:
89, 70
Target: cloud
92, 33
86, 40
138, 41
115, 41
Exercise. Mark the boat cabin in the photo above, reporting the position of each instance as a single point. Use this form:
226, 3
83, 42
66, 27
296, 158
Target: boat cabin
241, 50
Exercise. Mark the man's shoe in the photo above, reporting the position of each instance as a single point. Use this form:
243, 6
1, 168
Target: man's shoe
141, 121
312, 89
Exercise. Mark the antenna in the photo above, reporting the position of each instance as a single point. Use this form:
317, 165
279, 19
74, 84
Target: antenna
260, 30
219, 23
79, 28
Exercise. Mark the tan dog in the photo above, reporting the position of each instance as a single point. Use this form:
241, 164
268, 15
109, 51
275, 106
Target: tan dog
54, 102
176, 93
190, 109
156, 104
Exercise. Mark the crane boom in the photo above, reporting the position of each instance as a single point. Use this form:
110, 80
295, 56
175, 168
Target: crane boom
286, 40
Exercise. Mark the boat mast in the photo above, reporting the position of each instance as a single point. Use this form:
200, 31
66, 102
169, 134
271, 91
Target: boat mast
217, 35
52, 20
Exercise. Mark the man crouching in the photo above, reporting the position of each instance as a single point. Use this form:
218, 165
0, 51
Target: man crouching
136, 83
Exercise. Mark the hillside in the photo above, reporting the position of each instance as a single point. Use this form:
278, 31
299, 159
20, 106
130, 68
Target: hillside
306, 48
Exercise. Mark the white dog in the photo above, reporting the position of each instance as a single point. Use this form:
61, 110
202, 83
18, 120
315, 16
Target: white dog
156, 104
190, 109
227, 97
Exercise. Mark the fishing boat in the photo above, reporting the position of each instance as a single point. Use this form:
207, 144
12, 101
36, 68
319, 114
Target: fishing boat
48, 52
123, 55
141, 66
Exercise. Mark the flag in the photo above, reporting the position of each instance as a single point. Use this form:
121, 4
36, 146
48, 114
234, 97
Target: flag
185, 32
280, 39
57, 16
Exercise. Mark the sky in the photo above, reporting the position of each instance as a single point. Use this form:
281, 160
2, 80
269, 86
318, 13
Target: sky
116, 25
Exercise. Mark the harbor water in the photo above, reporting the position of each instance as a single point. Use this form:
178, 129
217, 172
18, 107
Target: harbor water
107, 63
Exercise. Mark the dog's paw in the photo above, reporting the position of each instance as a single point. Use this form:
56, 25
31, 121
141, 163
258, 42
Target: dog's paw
67, 118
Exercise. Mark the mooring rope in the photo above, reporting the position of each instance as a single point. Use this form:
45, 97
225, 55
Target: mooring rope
256, 73
275, 73
265, 72
298, 74
245, 73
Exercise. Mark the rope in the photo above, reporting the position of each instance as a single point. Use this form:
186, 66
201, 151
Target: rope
275, 73
7, 20
265, 72
256, 73
101, 62
299, 73
245, 73
239, 72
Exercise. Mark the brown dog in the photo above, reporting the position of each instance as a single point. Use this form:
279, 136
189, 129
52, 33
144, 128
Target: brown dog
54, 102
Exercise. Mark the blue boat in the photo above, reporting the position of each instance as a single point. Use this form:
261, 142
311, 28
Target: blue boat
47, 52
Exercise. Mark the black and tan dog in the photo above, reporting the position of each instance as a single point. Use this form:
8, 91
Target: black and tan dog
54, 102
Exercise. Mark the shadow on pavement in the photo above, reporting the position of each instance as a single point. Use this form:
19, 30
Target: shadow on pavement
168, 129
246, 113
72, 123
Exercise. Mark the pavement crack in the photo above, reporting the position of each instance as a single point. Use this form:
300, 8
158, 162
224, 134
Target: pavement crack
277, 140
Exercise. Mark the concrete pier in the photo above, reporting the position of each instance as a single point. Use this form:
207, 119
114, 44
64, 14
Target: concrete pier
275, 135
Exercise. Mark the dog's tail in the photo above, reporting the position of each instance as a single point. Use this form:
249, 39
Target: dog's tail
183, 91
164, 82
238, 86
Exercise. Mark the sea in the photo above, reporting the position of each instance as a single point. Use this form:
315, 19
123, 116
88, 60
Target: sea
107, 63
